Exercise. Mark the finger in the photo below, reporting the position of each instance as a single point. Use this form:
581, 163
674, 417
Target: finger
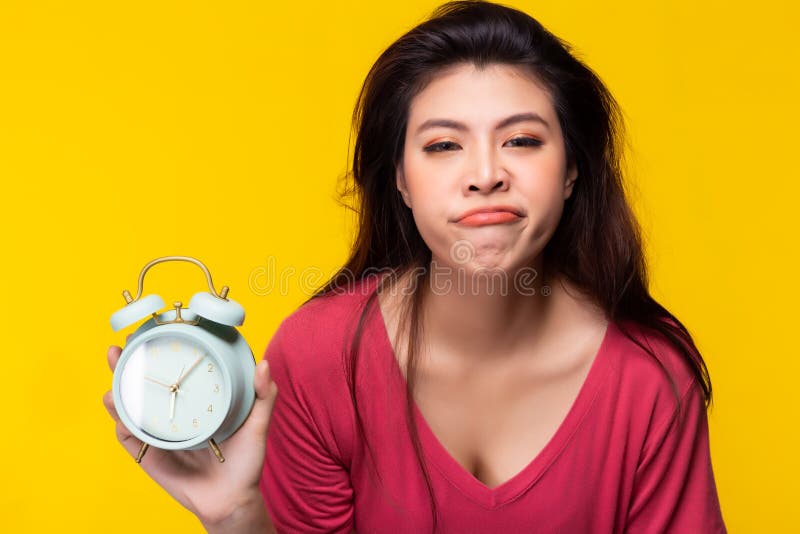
262, 381
108, 402
129, 442
266, 392
122, 432
113, 355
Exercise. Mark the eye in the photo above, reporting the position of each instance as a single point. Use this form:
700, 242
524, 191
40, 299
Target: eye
524, 141
440, 147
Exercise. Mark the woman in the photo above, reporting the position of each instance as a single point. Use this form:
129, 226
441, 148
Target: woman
489, 359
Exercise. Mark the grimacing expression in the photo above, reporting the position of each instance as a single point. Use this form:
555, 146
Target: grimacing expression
479, 139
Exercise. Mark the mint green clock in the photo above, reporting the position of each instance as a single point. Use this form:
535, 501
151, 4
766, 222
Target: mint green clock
184, 380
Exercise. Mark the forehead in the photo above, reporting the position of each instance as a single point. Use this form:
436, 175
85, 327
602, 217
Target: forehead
480, 97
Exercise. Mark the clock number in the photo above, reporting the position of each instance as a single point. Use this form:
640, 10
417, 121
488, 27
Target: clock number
175, 346
210, 408
216, 388
174, 427
195, 423
210, 368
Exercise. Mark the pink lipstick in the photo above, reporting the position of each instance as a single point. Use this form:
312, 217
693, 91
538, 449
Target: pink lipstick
489, 215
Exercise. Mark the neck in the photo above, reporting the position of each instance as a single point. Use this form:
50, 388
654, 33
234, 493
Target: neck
486, 316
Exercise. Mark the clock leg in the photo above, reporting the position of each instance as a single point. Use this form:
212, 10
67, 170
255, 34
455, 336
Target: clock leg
142, 450
217, 452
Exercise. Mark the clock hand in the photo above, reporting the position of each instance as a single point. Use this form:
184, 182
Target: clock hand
189, 370
173, 392
180, 374
172, 403
157, 382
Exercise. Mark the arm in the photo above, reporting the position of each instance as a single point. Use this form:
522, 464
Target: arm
674, 488
305, 483
250, 517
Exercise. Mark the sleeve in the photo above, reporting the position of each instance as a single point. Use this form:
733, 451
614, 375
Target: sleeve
305, 486
674, 489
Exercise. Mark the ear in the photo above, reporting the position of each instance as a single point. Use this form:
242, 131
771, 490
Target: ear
401, 185
569, 183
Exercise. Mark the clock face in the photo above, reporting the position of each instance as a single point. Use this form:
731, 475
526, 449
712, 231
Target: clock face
173, 388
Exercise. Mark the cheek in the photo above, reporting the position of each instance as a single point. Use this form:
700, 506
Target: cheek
541, 185
426, 181
543, 191
428, 189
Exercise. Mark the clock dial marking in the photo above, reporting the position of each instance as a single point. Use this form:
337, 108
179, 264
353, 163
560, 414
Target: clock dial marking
145, 393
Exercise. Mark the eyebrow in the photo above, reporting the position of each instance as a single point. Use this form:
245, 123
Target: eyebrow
460, 126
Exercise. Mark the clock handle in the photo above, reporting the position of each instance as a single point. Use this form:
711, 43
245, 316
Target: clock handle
223, 294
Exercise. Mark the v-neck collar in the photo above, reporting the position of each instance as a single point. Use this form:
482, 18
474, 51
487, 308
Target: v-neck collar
440, 458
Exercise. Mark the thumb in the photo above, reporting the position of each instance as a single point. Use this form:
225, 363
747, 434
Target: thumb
266, 392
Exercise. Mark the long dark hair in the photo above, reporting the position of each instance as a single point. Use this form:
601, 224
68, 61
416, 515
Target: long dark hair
597, 244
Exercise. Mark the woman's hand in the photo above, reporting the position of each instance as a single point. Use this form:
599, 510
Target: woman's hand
222, 495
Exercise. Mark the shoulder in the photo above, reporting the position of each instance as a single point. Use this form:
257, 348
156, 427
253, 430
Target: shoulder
309, 343
306, 361
651, 373
649, 357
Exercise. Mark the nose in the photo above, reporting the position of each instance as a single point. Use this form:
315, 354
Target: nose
485, 173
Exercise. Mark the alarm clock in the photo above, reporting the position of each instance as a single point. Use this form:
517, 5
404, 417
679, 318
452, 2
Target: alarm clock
184, 379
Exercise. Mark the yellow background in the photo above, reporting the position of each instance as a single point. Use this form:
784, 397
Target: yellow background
218, 129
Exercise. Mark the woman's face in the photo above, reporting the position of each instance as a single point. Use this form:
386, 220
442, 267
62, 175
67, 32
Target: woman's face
477, 140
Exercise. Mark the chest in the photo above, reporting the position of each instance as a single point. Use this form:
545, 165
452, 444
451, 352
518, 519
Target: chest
495, 422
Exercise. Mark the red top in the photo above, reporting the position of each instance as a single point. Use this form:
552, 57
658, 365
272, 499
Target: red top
619, 461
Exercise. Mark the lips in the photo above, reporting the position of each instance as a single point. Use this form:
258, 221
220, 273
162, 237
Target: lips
489, 215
